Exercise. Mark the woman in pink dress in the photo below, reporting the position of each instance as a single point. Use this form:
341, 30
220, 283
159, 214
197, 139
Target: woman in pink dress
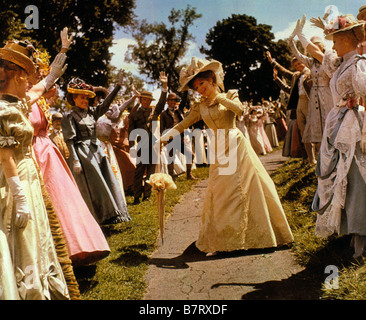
85, 240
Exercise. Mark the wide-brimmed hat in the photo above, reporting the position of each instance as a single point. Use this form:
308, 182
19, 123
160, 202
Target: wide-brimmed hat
345, 23
146, 94
101, 91
197, 66
362, 13
78, 86
19, 53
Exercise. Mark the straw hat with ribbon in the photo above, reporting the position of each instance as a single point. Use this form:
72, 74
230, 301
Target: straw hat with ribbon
78, 86
200, 65
345, 23
19, 53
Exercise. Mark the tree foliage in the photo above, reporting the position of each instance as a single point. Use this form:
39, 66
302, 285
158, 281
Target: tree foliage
160, 47
92, 24
239, 43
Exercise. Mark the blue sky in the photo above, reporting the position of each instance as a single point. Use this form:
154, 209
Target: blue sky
280, 14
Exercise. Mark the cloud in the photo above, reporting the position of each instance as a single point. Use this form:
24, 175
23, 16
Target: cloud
308, 30
119, 50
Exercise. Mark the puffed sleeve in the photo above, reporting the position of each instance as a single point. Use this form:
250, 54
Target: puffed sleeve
193, 117
231, 101
11, 126
359, 77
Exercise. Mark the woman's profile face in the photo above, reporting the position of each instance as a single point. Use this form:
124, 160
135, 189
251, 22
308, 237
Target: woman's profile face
341, 44
204, 86
81, 101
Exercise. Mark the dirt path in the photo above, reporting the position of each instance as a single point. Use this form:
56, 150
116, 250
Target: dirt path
178, 271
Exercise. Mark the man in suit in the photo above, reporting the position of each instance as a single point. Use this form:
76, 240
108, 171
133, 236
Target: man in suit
142, 120
168, 119
299, 92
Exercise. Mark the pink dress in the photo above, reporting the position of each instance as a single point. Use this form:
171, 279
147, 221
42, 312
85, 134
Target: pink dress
85, 240
267, 143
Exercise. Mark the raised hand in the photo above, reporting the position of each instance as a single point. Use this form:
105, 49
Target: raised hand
163, 79
317, 22
65, 39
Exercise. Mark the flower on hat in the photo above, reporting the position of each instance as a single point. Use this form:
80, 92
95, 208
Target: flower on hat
78, 86
340, 23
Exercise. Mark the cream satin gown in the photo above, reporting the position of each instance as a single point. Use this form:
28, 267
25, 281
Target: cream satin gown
242, 209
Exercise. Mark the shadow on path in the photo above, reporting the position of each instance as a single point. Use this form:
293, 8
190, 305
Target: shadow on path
192, 254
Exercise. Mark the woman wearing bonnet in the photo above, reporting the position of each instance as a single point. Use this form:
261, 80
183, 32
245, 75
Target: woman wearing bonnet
241, 209
340, 199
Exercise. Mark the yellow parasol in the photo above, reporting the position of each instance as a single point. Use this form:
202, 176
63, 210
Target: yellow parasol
160, 182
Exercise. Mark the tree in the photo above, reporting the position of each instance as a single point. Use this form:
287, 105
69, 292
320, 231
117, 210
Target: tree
91, 23
239, 43
160, 47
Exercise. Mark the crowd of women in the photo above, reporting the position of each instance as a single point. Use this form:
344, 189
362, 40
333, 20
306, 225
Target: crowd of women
326, 107
64, 176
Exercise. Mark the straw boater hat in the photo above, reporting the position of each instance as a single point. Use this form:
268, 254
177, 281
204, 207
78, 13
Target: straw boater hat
345, 23
19, 53
197, 66
362, 13
146, 94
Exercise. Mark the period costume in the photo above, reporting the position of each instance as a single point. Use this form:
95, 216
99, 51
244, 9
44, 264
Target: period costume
297, 105
96, 181
270, 128
255, 136
168, 119
242, 209
28, 251
261, 121
57, 138
121, 148
143, 119
340, 198
85, 240
320, 97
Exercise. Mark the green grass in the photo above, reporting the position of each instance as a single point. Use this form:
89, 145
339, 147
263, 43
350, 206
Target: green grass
120, 276
296, 183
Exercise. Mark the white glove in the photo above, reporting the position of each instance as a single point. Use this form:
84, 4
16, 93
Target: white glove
76, 166
304, 41
65, 39
58, 68
21, 205
363, 141
294, 32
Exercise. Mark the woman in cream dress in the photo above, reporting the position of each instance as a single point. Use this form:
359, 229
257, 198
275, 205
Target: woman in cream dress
29, 266
242, 209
